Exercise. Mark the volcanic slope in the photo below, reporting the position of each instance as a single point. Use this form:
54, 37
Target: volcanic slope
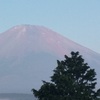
28, 55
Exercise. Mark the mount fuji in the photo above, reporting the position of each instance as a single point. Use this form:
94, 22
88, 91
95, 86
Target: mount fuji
28, 54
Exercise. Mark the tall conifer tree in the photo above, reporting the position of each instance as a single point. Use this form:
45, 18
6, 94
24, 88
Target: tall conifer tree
73, 79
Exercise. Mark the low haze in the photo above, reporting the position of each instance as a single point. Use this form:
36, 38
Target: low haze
78, 20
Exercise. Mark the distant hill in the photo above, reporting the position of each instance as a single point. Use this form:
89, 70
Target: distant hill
15, 96
28, 55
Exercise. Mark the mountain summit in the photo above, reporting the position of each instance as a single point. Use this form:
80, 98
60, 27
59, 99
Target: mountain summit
28, 55
35, 38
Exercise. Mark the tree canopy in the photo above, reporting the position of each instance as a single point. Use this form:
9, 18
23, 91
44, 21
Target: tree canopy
73, 79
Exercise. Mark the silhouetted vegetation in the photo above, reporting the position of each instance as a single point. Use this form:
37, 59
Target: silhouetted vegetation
73, 79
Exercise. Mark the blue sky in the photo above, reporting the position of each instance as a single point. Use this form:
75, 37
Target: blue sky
78, 20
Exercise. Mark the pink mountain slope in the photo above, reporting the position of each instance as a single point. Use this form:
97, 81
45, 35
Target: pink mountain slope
28, 55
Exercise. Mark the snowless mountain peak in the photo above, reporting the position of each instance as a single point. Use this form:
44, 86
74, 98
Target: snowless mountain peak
28, 54
30, 29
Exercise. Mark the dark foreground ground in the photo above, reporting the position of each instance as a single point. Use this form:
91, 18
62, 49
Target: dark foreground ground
15, 96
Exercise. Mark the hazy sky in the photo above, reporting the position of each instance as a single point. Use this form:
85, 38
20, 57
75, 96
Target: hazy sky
78, 20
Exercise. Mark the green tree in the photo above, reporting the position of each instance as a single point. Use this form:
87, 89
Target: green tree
72, 80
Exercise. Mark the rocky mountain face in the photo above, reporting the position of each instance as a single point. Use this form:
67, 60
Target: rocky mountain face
28, 55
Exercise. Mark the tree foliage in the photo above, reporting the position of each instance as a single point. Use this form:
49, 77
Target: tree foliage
73, 79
